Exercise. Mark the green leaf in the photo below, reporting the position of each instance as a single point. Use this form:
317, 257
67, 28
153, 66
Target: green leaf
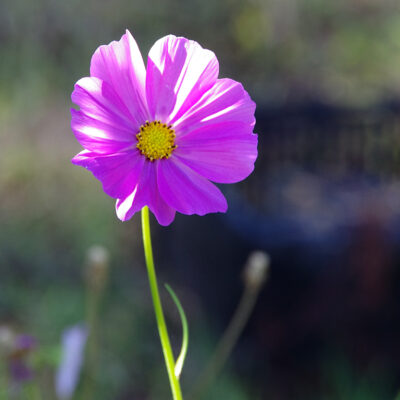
185, 333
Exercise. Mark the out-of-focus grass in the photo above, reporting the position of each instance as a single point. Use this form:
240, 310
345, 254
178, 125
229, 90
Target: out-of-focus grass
344, 52
343, 382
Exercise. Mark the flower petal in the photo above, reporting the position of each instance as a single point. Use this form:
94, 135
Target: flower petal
120, 64
119, 173
179, 71
146, 193
98, 100
186, 191
100, 136
223, 153
225, 101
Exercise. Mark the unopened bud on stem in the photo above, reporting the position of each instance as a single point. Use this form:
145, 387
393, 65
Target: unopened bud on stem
7, 339
256, 269
96, 273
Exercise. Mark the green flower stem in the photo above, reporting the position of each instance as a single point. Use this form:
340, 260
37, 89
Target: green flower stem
162, 327
96, 272
4, 384
92, 347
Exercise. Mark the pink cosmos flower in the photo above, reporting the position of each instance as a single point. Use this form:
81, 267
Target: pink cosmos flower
157, 136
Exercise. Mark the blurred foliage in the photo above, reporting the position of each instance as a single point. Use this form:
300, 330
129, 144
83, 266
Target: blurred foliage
344, 382
344, 52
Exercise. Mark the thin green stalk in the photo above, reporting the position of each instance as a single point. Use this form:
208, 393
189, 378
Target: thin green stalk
162, 327
255, 275
226, 344
3, 377
96, 272
92, 346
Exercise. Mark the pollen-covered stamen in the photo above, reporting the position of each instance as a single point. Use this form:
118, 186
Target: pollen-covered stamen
156, 140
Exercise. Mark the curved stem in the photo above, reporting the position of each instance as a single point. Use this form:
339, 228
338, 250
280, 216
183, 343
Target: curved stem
185, 333
162, 327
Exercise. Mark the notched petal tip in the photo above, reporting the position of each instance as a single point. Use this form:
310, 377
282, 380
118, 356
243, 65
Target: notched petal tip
179, 71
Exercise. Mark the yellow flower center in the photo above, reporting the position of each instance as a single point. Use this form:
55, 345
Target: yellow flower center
156, 140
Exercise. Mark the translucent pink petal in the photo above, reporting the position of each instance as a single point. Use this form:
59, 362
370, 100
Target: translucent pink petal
119, 172
223, 153
179, 71
121, 65
186, 191
100, 136
98, 100
146, 193
225, 101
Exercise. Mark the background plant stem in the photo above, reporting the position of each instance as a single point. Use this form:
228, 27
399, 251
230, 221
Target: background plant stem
227, 342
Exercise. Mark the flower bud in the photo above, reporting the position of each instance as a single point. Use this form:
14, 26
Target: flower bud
256, 269
97, 264
7, 339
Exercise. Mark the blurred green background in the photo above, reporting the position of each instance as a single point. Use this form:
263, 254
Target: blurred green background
326, 78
